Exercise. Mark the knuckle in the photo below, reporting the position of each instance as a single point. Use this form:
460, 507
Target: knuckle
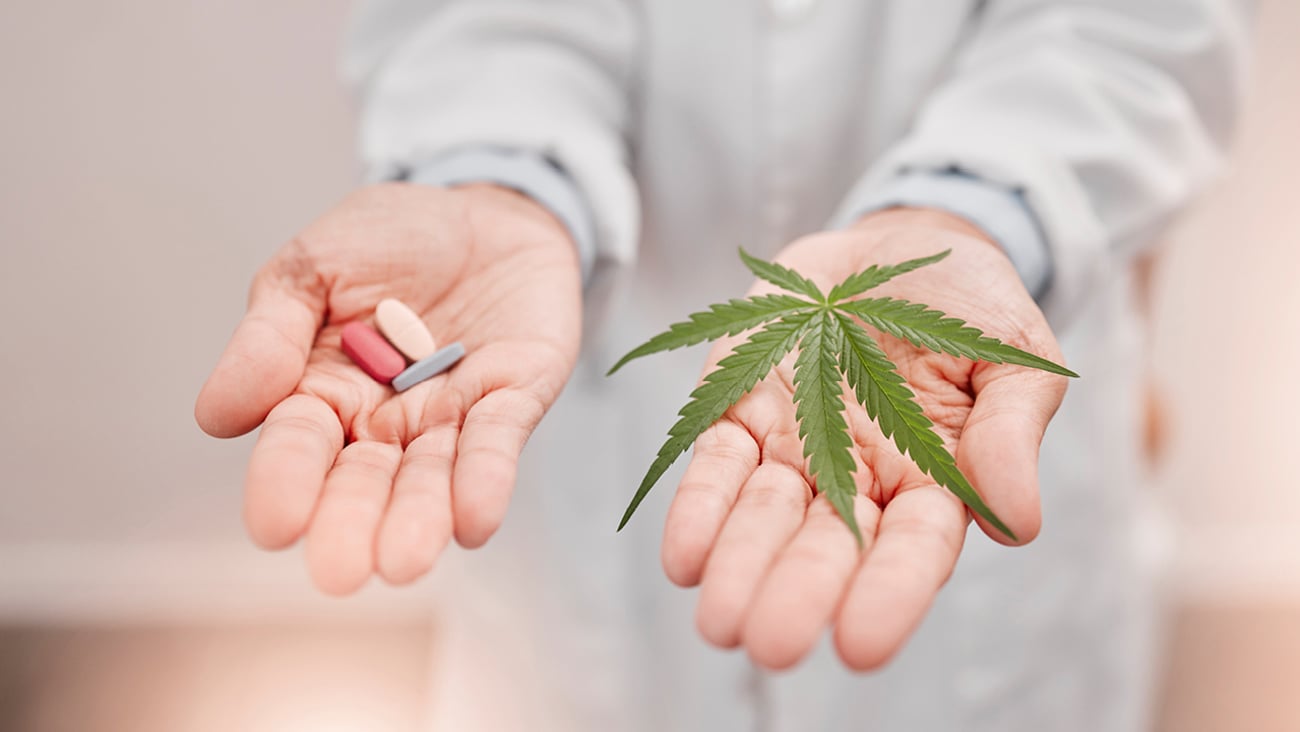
768, 495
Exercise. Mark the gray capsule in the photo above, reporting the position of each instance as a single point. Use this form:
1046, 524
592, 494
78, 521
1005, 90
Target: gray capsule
427, 368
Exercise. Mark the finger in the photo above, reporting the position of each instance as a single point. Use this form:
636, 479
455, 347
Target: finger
417, 524
298, 444
725, 456
265, 358
769, 511
916, 548
799, 596
341, 540
487, 460
999, 444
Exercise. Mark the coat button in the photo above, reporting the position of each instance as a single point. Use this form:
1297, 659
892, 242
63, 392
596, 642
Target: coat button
791, 11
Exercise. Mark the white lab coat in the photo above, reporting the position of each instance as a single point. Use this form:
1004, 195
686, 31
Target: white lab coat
735, 122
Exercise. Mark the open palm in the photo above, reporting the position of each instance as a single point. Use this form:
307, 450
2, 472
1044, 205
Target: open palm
380, 481
775, 562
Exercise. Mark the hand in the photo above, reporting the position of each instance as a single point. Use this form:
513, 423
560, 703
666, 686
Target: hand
775, 562
379, 481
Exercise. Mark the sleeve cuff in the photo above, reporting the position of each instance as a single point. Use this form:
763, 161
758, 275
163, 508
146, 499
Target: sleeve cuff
527, 172
998, 210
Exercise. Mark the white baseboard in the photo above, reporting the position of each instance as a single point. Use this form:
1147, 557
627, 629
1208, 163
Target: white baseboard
64, 583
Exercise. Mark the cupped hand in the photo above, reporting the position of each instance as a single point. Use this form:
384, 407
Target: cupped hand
775, 563
379, 481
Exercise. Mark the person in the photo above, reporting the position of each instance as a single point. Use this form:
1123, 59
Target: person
524, 153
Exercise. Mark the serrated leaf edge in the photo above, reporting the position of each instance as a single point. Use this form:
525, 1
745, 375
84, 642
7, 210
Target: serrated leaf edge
678, 443
723, 319
819, 407
936, 462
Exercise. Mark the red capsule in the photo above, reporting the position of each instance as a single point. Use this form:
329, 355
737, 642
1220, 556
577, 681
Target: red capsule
371, 352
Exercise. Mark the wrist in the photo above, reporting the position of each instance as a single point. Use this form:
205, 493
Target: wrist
503, 200
531, 173
900, 218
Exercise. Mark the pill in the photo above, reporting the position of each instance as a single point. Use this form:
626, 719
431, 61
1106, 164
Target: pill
371, 352
404, 329
430, 367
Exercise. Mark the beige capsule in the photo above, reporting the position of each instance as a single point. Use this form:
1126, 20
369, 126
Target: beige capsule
404, 329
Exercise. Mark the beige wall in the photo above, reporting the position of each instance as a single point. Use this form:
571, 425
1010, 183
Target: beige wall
1228, 349
155, 152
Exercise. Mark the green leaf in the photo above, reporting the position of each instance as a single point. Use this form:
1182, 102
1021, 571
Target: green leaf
725, 319
734, 377
782, 277
831, 343
820, 410
932, 329
879, 274
883, 393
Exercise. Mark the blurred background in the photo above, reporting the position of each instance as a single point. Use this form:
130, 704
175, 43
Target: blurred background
192, 138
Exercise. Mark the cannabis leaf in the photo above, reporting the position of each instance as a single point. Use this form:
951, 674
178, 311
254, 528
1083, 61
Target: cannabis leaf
726, 319
735, 376
820, 414
833, 348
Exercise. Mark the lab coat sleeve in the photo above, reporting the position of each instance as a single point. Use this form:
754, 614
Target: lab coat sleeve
1000, 211
529, 173
1106, 115
538, 92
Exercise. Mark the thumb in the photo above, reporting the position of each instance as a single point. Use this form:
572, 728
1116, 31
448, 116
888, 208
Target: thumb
267, 355
998, 450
